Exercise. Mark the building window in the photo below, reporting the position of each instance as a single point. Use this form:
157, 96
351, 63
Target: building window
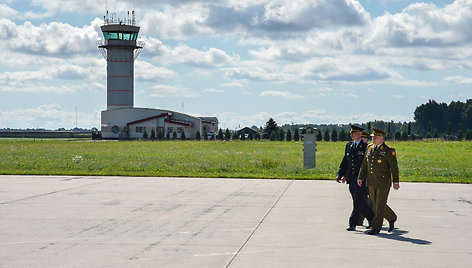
115, 129
180, 129
170, 130
140, 129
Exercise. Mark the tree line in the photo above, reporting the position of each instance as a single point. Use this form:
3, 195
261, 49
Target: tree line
432, 120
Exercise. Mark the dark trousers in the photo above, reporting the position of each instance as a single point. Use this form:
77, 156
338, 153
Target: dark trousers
359, 204
381, 209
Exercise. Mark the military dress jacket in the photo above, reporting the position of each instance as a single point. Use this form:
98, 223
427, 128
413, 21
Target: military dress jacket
379, 166
352, 160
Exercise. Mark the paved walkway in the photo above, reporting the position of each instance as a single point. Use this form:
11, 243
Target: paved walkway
50, 221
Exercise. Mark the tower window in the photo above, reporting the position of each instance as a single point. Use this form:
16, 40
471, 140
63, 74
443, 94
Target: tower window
120, 36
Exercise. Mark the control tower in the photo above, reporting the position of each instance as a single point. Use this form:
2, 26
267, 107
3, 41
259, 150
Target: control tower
120, 49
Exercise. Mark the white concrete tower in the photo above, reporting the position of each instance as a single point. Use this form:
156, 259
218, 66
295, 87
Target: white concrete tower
120, 49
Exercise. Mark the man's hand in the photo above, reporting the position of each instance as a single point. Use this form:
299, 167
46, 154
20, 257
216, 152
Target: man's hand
343, 179
359, 182
338, 179
396, 186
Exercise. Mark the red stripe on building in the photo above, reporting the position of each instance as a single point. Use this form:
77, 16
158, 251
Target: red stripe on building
147, 119
177, 122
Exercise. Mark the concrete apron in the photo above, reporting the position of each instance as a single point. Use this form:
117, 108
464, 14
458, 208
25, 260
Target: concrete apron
56, 221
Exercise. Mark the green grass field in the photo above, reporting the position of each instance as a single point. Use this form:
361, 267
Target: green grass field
421, 161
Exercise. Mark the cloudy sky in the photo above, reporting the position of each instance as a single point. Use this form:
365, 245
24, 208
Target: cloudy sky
244, 61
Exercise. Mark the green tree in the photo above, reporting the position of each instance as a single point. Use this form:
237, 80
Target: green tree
436, 134
198, 136
319, 136
281, 135
182, 136
369, 127
342, 135
250, 136
242, 136
257, 136
296, 135
398, 135
449, 128
404, 136
326, 135
227, 135
270, 126
160, 134
289, 135
174, 135
273, 136
205, 135
460, 136
168, 136
409, 128
334, 135
145, 135
220, 135
235, 136
468, 135
153, 134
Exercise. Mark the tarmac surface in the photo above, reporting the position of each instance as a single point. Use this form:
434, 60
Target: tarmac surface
57, 221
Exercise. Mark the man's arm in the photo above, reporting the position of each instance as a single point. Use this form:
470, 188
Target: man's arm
342, 167
362, 171
392, 162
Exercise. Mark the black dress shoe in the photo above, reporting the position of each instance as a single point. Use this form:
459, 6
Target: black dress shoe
368, 226
351, 228
391, 225
373, 231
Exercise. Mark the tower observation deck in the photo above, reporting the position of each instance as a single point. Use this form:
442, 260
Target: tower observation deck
120, 49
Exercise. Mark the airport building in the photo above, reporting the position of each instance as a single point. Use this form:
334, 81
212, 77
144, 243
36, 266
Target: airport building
121, 119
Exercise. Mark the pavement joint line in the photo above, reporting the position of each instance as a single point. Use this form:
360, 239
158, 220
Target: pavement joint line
49, 193
259, 224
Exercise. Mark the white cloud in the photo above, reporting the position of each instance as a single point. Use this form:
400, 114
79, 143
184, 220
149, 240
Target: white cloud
398, 96
459, 79
232, 84
316, 116
183, 54
281, 94
162, 91
48, 116
54, 39
212, 90
148, 71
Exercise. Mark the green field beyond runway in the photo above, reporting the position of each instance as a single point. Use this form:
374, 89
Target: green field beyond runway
421, 161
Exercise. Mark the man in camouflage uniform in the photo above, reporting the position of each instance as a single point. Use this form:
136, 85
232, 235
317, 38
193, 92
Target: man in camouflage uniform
378, 169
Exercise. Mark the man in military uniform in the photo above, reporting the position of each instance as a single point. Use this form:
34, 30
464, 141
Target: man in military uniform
377, 171
349, 171
365, 136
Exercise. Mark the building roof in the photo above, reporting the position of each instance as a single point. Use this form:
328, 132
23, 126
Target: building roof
177, 122
209, 119
246, 129
147, 119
